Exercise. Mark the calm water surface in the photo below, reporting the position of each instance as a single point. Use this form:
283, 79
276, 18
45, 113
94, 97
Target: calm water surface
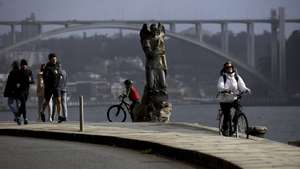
282, 122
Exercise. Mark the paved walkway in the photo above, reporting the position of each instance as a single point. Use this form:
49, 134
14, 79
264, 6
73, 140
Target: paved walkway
184, 141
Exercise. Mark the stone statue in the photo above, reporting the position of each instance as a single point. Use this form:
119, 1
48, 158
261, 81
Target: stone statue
153, 44
155, 105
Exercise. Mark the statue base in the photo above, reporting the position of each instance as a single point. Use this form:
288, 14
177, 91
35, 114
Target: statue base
154, 107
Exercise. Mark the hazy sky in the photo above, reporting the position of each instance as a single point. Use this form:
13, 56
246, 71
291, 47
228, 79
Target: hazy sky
144, 9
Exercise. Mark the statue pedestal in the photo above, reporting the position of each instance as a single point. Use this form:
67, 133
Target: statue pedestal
154, 108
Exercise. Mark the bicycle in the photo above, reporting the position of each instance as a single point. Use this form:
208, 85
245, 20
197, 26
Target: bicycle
117, 113
238, 125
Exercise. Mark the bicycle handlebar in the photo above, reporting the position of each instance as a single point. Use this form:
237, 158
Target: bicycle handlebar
122, 96
239, 95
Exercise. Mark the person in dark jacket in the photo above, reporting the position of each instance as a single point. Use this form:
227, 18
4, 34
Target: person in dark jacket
51, 82
25, 79
12, 88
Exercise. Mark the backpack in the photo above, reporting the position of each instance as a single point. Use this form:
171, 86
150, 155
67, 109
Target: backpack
235, 76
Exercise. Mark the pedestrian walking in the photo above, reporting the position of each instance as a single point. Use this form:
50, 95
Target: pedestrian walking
62, 87
25, 79
12, 88
63, 90
51, 77
40, 87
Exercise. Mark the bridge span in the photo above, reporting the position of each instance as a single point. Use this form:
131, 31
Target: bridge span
277, 23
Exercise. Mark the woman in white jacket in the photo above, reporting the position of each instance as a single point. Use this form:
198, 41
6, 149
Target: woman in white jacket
229, 85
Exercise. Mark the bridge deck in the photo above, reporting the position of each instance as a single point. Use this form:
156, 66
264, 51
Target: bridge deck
191, 142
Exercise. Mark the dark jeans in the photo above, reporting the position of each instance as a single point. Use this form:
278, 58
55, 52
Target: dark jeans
226, 109
132, 106
22, 110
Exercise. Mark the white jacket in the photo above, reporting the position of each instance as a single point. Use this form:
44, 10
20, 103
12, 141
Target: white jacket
232, 85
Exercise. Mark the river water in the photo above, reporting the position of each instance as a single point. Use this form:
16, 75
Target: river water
282, 121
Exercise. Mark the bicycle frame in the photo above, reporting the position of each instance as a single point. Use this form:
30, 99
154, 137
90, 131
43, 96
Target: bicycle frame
123, 102
233, 116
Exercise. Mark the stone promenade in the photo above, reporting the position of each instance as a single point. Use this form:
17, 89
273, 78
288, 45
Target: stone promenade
188, 142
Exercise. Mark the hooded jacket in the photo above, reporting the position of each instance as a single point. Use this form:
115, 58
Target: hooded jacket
231, 84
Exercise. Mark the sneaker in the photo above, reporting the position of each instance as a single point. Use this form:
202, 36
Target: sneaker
225, 133
18, 121
43, 117
61, 119
53, 117
25, 121
15, 117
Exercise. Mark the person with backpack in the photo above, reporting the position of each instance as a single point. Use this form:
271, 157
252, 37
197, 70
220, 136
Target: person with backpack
133, 95
229, 85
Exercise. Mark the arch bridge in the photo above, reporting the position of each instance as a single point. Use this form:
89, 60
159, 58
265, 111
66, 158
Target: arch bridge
277, 23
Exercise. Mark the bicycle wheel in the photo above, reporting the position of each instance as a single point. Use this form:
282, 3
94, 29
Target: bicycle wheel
241, 125
116, 113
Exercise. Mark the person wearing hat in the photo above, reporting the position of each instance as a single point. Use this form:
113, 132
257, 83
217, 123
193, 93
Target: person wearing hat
229, 85
133, 95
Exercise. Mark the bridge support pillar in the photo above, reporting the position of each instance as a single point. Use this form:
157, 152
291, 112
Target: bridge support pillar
121, 33
13, 34
250, 45
282, 53
172, 27
225, 38
40, 28
274, 46
198, 28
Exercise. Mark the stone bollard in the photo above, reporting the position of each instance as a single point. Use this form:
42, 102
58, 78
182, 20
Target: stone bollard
81, 114
258, 131
294, 143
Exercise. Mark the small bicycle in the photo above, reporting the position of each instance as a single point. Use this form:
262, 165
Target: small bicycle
118, 112
238, 125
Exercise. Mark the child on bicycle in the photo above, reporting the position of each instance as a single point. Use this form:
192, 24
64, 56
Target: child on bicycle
229, 85
133, 95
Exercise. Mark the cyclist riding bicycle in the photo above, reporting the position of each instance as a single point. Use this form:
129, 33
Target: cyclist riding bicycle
133, 95
230, 84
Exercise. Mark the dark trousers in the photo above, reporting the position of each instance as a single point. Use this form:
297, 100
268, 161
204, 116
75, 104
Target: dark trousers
22, 110
132, 106
226, 109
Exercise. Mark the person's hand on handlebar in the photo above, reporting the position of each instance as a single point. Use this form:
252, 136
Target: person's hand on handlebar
227, 91
122, 96
247, 91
